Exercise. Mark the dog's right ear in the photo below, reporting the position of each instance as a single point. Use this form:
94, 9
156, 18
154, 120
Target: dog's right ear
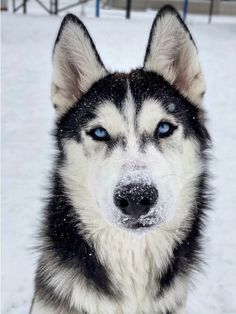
76, 64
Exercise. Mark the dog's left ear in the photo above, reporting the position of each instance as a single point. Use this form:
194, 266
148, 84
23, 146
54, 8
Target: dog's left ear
171, 52
76, 64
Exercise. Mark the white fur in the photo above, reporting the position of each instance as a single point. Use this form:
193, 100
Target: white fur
174, 55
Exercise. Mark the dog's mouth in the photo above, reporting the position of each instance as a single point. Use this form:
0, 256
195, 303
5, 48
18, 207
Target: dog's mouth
141, 224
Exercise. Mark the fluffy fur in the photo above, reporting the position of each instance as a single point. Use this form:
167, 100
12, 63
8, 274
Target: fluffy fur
96, 259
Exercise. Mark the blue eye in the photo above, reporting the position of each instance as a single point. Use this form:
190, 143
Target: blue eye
164, 129
99, 134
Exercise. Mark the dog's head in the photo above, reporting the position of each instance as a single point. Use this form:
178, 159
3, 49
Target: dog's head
132, 144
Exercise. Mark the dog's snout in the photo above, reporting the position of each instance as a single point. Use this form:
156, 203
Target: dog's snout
135, 199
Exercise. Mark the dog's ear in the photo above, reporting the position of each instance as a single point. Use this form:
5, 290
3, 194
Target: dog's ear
171, 52
76, 64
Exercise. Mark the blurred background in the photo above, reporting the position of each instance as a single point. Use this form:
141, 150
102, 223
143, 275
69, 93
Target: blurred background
120, 29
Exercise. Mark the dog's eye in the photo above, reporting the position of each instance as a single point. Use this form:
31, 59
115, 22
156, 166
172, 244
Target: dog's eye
99, 134
164, 129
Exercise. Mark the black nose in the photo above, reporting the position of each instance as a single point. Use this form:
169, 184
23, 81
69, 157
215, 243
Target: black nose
135, 199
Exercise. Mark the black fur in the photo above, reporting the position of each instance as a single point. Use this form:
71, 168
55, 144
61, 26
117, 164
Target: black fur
63, 238
112, 88
143, 85
187, 255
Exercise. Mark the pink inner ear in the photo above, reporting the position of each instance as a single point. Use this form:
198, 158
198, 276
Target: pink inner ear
182, 81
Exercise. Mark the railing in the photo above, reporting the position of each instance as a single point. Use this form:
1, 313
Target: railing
53, 8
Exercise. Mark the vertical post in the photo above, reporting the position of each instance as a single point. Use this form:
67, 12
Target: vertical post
97, 8
50, 7
128, 8
24, 6
14, 5
185, 9
56, 7
211, 11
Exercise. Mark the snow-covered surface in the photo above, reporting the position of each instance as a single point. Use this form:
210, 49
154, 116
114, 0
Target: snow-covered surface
27, 145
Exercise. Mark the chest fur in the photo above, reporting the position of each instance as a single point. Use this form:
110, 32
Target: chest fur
134, 265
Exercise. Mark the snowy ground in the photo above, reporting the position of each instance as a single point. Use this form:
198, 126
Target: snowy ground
27, 146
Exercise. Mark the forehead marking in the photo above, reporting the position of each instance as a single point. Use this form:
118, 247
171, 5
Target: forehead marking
150, 114
109, 117
129, 113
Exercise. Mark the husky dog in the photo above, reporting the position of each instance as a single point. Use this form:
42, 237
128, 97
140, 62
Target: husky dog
123, 224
